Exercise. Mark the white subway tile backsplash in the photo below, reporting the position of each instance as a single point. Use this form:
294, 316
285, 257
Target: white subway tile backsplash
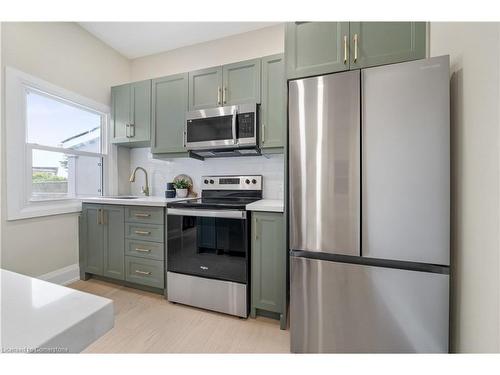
163, 171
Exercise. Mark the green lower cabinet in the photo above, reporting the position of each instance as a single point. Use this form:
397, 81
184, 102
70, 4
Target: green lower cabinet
268, 258
169, 106
91, 240
380, 43
114, 242
119, 243
145, 271
273, 107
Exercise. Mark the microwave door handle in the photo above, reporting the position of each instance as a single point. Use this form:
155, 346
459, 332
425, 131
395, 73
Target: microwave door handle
235, 114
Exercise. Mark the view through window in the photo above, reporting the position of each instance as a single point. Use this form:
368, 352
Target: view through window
64, 147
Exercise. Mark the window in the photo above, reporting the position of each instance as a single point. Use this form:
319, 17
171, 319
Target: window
56, 149
64, 146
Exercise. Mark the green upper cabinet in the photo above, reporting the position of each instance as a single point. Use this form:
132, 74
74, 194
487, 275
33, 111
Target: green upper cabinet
114, 242
241, 82
205, 88
315, 48
273, 106
131, 114
120, 113
169, 106
379, 43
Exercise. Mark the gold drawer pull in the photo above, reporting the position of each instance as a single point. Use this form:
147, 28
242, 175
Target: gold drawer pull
139, 214
142, 232
142, 250
143, 272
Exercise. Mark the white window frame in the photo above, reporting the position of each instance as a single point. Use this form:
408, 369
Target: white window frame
18, 163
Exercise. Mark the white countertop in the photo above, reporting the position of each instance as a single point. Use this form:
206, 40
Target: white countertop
139, 201
38, 315
269, 205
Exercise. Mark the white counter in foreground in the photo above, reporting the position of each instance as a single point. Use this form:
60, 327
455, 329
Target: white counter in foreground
38, 316
139, 201
268, 205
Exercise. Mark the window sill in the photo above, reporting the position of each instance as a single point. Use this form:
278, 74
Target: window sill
40, 209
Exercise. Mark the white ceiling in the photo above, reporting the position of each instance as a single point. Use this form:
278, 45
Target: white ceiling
136, 39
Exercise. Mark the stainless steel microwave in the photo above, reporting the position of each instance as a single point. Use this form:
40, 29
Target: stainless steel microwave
227, 127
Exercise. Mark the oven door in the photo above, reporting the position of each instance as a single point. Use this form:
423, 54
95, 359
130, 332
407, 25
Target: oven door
212, 128
208, 243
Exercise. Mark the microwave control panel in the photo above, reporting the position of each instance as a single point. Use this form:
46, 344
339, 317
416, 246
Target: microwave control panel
246, 125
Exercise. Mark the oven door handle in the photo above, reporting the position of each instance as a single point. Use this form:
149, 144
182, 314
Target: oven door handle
228, 214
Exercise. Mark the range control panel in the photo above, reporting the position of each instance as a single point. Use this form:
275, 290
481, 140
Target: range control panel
253, 182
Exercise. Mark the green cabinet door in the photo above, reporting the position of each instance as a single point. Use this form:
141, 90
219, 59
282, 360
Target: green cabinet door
273, 107
379, 43
169, 106
268, 264
114, 242
241, 82
92, 240
315, 48
120, 113
205, 88
140, 122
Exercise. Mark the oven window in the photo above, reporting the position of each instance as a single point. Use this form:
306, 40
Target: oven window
210, 129
210, 247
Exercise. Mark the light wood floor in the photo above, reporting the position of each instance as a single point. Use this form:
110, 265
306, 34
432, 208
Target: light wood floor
147, 323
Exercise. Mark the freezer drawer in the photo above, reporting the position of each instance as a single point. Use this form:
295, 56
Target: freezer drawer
406, 161
324, 167
353, 308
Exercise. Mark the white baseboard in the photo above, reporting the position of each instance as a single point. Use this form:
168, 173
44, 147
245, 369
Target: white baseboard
63, 276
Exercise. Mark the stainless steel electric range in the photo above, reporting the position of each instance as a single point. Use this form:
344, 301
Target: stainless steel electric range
208, 245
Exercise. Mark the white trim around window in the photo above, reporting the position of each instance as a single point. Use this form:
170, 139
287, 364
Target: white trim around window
18, 204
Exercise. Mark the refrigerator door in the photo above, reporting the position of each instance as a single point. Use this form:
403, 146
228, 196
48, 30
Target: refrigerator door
324, 163
406, 161
353, 308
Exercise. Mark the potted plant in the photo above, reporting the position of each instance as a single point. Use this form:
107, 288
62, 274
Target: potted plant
181, 188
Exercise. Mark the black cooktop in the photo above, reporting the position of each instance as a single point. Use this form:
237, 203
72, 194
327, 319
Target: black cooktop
214, 203
220, 200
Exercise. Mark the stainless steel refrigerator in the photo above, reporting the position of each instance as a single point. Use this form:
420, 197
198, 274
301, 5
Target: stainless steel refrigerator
369, 209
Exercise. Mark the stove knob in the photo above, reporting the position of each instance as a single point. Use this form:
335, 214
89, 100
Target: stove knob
247, 181
205, 181
254, 181
211, 181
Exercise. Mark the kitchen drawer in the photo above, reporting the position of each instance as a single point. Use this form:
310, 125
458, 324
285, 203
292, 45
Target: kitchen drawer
144, 271
145, 249
148, 215
144, 232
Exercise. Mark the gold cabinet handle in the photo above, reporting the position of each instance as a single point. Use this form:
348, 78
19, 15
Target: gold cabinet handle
218, 95
103, 217
345, 49
98, 216
142, 232
224, 95
142, 272
127, 130
140, 214
142, 250
355, 47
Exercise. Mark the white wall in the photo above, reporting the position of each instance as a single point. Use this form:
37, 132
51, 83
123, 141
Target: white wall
475, 61
253, 44
68, 56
